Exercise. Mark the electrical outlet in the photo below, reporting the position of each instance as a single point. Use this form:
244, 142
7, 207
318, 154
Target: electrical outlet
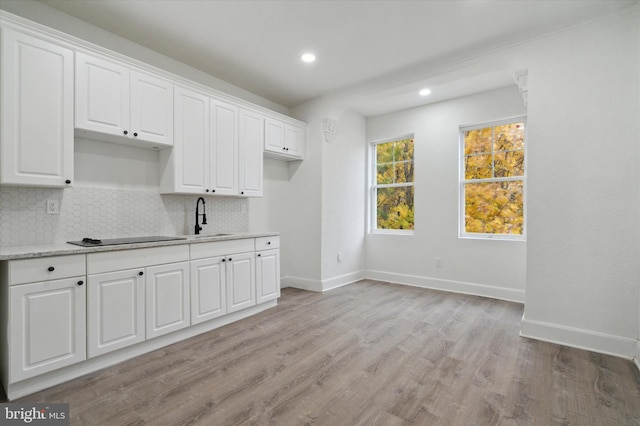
339, 256
438, 262
52, 207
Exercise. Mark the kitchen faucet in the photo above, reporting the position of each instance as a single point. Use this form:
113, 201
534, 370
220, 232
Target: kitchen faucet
204, 215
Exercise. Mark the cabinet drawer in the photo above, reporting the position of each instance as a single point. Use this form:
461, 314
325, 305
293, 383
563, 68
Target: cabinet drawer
118, 260
267, 243
46, 268
221, 248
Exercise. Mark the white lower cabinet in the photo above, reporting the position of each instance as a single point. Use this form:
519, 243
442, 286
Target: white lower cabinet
208, 290
167, 291
47, 326
241, 281
135, 295
224, 275
116, 317
267, 275
60, 310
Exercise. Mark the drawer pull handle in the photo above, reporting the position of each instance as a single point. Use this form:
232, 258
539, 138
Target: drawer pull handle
80, 282
51, 269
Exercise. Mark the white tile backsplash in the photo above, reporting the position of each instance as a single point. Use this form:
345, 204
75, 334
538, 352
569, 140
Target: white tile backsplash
109, 213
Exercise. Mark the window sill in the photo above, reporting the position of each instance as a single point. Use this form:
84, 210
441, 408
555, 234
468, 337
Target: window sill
390, 232
494, 237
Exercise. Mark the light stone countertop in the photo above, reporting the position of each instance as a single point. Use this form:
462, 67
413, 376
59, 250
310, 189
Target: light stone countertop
59, 249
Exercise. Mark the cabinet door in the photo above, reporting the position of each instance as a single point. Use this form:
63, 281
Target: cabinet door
102, 95
151, 109
223, 159
241, 290
294, 141
251, 147
167, 304
36, 146
48, 323
115, 311
274, 136
208, 292
267, 275
191, 150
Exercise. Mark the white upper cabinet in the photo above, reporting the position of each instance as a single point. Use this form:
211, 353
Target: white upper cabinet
102, 95
151, 108
218, 148
36, 142
283, 140
251, 148
223, 154
113, 100
185, 168
294, 141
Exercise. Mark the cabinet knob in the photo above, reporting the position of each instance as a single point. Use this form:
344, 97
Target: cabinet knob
268, 243
51, 269
135, 134
284, 149
241, 192
67, 181
126, 132
259, 255
206, 190
80, 282
224, 260
213, 190
140, 273
230, 259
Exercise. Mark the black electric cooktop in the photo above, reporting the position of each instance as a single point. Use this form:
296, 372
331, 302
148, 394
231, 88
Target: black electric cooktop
92, 242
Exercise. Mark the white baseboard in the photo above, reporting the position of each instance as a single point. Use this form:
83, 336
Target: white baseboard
322, 285
637, 357
609, 344
342, 280
301, 283
493, 292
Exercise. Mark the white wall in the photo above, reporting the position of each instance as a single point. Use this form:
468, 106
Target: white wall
320, 205
343, 202
489, 268
584, 164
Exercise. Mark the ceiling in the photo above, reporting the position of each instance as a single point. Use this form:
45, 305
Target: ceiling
256, 45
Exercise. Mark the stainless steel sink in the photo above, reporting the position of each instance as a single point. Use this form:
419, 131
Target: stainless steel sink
209, 235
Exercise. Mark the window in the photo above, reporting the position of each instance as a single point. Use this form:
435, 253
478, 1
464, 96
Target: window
492, 201
392, 176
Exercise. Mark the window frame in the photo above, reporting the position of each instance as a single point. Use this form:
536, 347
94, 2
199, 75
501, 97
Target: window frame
373, 186
462, 181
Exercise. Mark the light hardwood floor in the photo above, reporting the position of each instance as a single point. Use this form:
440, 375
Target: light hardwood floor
366, 354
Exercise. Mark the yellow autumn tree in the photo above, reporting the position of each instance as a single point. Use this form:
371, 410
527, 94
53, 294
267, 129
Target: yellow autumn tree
494, 157
395, 166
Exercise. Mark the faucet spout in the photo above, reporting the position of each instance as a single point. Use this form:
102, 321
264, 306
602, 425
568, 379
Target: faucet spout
198, 228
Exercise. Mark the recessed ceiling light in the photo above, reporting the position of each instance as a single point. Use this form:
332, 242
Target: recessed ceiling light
424, 92
308, 58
